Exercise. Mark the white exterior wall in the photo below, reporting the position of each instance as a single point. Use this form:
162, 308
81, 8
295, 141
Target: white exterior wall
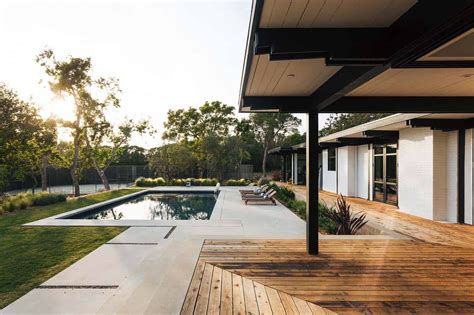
415, 171
452, 176
329, 177
346, 166
445, 176
469, 178
362, 172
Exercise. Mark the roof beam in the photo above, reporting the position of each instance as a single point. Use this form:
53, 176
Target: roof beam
402, 104
285, 104
382, 134
354, 141
338, 46
441, 124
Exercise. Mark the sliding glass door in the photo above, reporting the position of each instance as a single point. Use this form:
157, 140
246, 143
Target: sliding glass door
385, 173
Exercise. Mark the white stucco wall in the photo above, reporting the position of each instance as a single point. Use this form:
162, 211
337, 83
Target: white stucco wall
346, 163
329, 177
362, 172
415, 173
445, 176
468, 178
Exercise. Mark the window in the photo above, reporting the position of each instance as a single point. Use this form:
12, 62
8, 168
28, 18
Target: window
331, 159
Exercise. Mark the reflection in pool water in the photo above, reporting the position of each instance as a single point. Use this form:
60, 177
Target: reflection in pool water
164, 206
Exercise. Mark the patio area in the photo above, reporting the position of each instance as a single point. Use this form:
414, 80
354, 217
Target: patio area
392, 218
347, 277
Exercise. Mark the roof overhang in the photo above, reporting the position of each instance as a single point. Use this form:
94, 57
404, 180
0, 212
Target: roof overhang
287, 150
387, 129
359, 56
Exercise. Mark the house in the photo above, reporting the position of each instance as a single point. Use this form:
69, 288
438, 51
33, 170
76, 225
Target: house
293, 163
422, 163
363, 57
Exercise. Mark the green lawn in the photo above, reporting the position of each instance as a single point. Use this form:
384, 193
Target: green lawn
31, 255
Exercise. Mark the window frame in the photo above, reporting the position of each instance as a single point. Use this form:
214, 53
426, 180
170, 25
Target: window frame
332, 160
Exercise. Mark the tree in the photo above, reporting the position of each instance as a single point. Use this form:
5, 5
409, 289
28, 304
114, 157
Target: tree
132, 155
25, 139
202, 129
173, 160
105, 144
71, 78
41, 149
271, 128
294, 139
339, 122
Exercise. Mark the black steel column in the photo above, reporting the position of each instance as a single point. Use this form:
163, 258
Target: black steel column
461, 157
312, 171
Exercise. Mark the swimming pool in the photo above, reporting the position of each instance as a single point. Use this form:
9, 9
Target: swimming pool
155, 206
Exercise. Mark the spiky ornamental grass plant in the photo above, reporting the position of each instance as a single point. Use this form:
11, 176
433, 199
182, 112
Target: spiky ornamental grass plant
348, 223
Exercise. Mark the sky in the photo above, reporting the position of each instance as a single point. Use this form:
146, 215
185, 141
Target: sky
166, 54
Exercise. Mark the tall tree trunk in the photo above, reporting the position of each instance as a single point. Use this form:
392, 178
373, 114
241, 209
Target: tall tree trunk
264, 162
75, 162
102, 175
44, 173
35, 182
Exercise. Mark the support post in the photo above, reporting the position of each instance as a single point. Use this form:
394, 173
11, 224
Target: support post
312, 170
461, 168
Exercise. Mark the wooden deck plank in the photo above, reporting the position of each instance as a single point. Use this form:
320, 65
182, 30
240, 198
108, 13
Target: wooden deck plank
275, 301
226, 302
191, 297
215, 294
204, 290
238, 300
288, 303
251, 306
262, 299
302, 306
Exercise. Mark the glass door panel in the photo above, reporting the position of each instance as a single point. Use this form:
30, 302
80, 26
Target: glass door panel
379, 192
385, 173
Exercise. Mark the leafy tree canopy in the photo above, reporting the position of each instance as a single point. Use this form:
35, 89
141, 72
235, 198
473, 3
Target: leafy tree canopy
339, 122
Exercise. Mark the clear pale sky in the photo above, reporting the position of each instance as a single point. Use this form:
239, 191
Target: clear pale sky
166, 54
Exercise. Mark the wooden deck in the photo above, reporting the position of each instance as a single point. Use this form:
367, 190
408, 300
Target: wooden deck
394, 219
348, 277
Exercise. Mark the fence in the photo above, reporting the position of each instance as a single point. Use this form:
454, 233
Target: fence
59, 180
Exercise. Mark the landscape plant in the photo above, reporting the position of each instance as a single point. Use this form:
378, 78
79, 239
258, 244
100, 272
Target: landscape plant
287, 197
348, 222
25, 200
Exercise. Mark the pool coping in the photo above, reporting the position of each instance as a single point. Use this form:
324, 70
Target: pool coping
62, 218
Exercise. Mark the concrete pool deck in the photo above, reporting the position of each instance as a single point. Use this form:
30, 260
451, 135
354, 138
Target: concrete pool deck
147, 269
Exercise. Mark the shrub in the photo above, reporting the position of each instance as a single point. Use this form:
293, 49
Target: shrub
204, 181
347, 222
236, 182
150, 182
287, 197
42, 199
25, 200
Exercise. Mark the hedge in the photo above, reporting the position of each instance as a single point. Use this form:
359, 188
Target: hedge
25, 200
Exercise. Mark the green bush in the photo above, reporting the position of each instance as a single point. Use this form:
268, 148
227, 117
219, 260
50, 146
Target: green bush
236, 182
25, 200
150, 182
287, 197
43, 199
203, 181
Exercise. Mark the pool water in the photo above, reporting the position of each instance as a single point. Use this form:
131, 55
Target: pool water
157, 206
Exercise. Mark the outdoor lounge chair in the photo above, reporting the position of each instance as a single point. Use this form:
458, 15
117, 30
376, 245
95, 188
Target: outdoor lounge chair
268, 197
259, 191
256, 195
